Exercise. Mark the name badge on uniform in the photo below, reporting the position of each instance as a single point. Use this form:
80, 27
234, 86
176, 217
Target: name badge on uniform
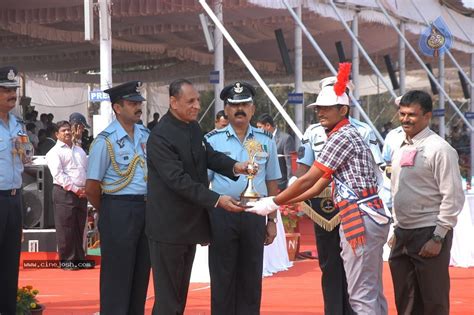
122, 153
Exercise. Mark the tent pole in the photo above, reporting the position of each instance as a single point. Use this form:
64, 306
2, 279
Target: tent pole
105, 58
218, 58
441, 100
252, 70
472, 110
355, 64
401, 58
362, 50
207, 109
331, 67
299, 108
428, 72
447, 51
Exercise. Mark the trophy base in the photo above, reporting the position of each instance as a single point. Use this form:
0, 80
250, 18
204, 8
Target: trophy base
245, 200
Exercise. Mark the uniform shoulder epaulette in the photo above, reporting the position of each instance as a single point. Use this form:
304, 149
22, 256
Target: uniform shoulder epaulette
213, 133
104, 134
266, 133
19, 120
144, 128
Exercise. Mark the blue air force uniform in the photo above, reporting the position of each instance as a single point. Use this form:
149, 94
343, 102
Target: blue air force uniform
393, 141
101, 168
237, 239
11, 167
225, 140
333, 278
119, 163
236, 250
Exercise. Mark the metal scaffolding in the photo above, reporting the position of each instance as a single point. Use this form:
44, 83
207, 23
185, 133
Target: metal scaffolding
420, 61
331, 68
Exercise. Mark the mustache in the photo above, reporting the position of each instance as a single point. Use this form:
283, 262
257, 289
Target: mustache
240, 113
407, 124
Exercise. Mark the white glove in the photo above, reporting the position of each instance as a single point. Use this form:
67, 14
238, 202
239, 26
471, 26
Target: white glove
263, 206
292, 180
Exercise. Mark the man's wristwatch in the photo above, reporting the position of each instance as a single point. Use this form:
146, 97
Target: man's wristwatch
437, 238
274, 220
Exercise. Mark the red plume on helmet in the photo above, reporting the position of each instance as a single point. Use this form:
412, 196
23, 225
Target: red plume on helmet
342, 78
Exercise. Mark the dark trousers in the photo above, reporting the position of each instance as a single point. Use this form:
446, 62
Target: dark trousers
236, 262
333, 278
10, 245
171, 265
70, 213
421, 285
125, 263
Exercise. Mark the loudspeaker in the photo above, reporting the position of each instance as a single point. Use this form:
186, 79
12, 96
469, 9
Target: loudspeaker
465, 89
39, 241
340, 52
37, 198
391, 72
434, 88
285, 57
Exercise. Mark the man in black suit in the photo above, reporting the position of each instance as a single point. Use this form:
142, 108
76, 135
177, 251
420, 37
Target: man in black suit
177, 208
285, 145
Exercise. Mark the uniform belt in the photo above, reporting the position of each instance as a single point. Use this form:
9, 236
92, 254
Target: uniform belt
141, 198
9, 192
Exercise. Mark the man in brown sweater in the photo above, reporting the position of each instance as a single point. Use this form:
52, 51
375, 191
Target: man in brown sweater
427, 197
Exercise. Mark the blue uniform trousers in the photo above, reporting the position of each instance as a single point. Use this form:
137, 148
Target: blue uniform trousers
236, 262
10, 245
125, 263
333, 278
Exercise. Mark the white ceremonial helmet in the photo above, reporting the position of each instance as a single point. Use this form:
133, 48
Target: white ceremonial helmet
327, 96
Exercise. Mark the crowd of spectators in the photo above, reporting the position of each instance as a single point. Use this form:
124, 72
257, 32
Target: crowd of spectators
42, 132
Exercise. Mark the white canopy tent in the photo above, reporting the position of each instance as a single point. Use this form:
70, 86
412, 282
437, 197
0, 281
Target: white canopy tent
157, 41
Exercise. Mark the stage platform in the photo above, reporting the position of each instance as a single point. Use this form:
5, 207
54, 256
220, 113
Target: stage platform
293, 292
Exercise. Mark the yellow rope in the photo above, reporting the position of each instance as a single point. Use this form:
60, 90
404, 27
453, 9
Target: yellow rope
126, 176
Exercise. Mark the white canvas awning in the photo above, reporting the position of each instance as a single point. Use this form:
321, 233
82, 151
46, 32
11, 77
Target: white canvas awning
160, 40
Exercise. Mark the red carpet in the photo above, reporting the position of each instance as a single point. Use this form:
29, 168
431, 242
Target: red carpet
294, 292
